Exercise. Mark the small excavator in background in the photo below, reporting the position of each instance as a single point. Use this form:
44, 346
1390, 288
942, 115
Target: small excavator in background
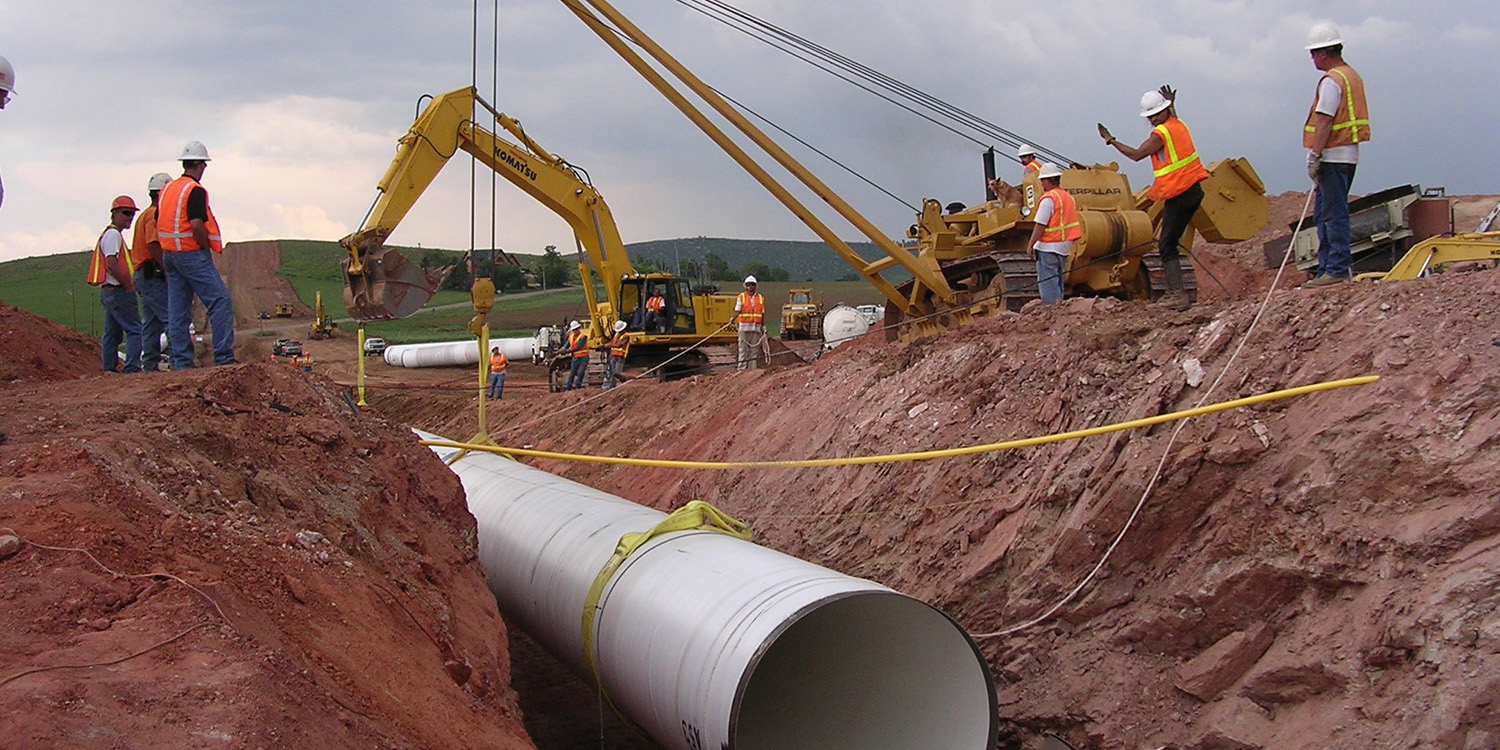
390, 288
322, 326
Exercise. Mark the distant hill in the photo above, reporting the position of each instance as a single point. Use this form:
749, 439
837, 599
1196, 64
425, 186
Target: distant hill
805, 261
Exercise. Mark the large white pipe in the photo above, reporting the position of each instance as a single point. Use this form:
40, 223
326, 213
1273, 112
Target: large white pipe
456, 353
708, 642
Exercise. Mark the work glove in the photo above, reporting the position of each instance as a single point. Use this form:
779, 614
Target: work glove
1314, 163
1104, 133
1168, 93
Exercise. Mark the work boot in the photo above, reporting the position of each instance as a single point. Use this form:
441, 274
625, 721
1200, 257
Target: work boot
1176, 297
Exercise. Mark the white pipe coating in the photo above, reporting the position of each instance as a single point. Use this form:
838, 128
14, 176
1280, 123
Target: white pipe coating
456, 353
708, 642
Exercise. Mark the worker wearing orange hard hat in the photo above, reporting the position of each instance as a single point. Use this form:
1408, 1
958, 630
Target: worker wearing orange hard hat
109, 269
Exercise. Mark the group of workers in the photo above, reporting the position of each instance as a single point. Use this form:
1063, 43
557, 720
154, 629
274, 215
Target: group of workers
147, 286
1337, 123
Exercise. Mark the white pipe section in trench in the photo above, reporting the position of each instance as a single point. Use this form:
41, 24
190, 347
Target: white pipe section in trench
708, 642
456, 353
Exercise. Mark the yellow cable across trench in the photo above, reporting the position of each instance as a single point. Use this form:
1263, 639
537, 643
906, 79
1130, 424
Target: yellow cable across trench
919, 455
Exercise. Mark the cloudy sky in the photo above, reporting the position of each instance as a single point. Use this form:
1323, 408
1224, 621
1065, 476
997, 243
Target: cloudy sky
301, 103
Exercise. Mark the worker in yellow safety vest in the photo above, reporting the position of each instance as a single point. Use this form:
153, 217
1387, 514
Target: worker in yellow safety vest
1012, 196
750, 315
498, 364
1056, 227
189, 234
1178, 171
110, 270
578, 346
1337, 122
619, 347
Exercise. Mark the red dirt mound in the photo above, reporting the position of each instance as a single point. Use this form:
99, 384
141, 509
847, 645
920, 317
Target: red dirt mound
249, 270
35, 348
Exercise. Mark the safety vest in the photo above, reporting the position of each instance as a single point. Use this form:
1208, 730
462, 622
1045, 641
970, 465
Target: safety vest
577, 340
497, 362
98, 270
619, 345
145, 234
752, 309
1176, 166
173, 229
656, 304
1351, 123
1063, 225
1031, 166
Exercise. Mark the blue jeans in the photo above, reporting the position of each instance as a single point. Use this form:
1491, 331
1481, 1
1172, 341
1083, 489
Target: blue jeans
580, 368
1049, 276
612, 370
1332, 209
497, 384
121, 320
190, 273
153, 294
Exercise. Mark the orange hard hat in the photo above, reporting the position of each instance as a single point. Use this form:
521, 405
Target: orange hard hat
123, 201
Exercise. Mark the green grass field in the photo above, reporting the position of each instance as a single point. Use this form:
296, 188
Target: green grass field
53, 287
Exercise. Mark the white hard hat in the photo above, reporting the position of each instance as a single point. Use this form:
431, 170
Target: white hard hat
749, 279
619, 326
1153, 102
158, 181
1025, 151
1049, 171
1323, 35
575, 325
194, 151
7, 76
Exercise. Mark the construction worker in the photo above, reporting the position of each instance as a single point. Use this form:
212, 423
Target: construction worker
1337, 122
1056, 227
1009, 195
189, 233
1178, 172
1029, 162
656, 311
7, 90
578, 345
619, 346
109, 269
497, 372
750, 314
150, 276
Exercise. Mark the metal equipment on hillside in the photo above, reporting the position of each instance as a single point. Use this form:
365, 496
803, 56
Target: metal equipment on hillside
1431, 255
285, 310
446, 127
1383, 226
801, 316
322, 326
971, 262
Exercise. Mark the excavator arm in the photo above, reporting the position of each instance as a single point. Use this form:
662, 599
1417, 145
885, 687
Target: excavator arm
381, 284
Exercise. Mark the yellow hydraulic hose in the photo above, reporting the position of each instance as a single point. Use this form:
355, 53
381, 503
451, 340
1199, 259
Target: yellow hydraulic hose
919, 455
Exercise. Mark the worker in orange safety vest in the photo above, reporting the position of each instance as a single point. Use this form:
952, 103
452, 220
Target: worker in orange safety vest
656, 311
189, 235
1337, 123
498, 364
110, 270
1178, 171
1052, 236
578, 346
750, 314
619, 347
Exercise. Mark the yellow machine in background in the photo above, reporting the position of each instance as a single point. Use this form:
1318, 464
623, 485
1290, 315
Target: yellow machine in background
285, 310
1430, 255
446, 127
801, 316
322, 326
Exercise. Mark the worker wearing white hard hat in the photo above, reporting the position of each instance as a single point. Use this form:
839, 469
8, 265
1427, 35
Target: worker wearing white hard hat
1029, 162
150, 276
189, 236
619, 347
578, 352
1053, 232
1178, 173
750, 315
7, 90
1337, 123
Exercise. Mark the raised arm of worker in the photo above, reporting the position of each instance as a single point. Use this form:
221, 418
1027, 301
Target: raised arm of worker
1153, 143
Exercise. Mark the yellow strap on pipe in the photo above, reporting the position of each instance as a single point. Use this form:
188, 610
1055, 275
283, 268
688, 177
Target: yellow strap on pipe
919, 455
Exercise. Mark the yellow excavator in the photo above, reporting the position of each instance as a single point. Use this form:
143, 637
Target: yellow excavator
1430, 255
969, 262
322, 327
389, 288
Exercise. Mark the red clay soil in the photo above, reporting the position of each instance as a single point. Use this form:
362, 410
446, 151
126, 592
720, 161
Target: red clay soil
328, 593
32, 348
249, 270
1315, 573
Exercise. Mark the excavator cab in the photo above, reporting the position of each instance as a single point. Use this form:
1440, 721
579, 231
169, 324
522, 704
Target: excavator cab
380, 283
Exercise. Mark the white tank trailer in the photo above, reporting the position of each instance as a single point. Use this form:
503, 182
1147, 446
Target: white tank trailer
841, 324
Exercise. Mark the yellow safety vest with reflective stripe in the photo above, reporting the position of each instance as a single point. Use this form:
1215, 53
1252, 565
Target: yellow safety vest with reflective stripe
752, 309
1351, 123
173, 228
619, 346
98, 268
1064, 224
577, 341
1176, 166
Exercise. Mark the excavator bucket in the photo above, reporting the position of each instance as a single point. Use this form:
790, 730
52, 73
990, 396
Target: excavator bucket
386, 286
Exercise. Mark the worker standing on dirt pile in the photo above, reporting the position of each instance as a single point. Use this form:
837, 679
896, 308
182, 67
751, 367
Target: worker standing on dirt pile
1056, 227
619, 346
656, 311
750, 314
497, 373
109, 269
150, 276
187, 231
578, 345
7, 89
1178, 172
1337, 122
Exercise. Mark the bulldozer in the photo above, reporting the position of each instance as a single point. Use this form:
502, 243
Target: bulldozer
963, 263
692, 317
285, 310
801, 317
322, 326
